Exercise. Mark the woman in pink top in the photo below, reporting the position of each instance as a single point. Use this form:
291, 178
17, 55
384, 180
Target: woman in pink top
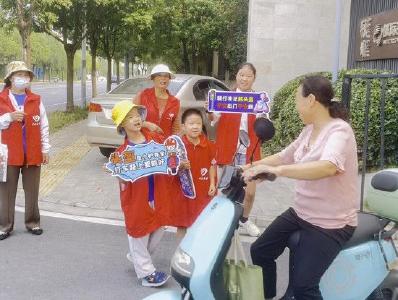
323, 160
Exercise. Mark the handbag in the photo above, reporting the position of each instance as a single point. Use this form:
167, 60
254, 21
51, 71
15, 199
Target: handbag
242, 281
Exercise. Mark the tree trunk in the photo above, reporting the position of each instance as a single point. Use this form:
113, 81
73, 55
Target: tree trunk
26, 48
117, 71
93, 73
187, 68
108, 74
214, 69
70, 55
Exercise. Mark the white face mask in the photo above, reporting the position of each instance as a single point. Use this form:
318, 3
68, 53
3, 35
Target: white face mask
21, 82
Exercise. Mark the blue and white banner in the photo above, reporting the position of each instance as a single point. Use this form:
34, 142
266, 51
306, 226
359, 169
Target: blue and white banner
239, 102
153, 158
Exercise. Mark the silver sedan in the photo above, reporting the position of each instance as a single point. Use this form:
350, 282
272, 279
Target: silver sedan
191, 90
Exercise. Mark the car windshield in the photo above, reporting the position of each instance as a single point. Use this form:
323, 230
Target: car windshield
133, 86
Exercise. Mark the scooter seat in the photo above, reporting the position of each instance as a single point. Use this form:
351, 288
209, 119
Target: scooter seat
386, 180
368, 226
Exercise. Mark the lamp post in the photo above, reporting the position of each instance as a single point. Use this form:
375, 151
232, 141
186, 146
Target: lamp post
336, 54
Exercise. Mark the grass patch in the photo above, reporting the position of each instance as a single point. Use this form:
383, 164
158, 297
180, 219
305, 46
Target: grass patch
61, 119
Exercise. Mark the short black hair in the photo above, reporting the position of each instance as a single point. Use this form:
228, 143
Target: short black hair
190, 112
193, 111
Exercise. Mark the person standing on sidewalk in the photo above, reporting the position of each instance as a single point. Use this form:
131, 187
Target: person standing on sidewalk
163, 108
202, 163
323, 160
142, 201
24, 129
229, 151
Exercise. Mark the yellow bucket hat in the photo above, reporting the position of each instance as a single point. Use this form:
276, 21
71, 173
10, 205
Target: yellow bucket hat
122, 108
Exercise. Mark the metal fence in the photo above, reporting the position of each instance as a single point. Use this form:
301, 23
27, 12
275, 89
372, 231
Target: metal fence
346, 98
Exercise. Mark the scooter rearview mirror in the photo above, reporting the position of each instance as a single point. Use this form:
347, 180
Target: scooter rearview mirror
264, 129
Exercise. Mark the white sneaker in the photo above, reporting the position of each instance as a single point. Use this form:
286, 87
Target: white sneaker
129, 257
249, 228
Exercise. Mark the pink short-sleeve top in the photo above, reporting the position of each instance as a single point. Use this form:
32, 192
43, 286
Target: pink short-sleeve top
330, 202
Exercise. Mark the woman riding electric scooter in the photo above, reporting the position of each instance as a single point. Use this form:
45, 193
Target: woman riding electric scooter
323, 159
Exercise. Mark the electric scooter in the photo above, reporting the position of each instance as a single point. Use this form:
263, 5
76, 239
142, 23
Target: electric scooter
197, 264
367, 267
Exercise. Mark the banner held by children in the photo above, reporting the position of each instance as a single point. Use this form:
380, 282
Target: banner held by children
152, 158
238, 102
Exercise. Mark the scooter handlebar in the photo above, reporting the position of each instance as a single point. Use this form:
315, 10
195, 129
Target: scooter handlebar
264, 176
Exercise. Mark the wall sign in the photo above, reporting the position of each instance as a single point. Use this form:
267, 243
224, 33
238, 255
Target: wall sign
377, 36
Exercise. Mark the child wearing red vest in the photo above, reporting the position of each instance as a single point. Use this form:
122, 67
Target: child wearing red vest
143, 201
24, 130
201, 162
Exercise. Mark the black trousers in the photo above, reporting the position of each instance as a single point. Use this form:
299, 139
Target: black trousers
316, 250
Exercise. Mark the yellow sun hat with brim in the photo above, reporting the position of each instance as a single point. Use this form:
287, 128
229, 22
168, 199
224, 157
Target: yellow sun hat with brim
122, 108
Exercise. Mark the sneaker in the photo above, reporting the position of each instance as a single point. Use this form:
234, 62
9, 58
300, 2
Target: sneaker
249, 228
4, 235
155, 279
35, 230
129, 258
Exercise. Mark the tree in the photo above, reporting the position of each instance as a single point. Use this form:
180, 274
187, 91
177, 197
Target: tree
20, 13
9, 46
64, 20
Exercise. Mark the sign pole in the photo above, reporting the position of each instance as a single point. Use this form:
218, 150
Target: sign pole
336, 55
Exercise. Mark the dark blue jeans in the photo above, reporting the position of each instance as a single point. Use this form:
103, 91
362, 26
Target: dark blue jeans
316, 250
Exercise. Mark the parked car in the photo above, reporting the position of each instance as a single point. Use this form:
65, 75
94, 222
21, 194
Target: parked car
191, 90
114, 79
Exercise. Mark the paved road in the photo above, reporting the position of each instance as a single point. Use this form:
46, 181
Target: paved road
53, 94
78, 260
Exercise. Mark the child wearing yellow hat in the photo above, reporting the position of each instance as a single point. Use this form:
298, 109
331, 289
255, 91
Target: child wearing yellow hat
142, 201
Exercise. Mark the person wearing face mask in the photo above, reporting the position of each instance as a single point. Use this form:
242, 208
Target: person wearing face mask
24, 129
163, 108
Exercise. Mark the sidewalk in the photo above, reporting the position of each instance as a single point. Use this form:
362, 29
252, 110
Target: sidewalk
74, 183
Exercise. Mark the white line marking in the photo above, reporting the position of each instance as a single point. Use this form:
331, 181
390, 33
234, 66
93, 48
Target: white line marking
94, 220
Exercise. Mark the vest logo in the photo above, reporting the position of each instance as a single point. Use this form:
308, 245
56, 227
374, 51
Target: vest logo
171, 116
204, 174
36, 120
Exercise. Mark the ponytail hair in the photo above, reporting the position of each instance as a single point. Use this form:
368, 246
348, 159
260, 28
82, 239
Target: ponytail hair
338, 110
322, 89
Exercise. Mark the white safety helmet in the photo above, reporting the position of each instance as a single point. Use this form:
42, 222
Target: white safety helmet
161, 68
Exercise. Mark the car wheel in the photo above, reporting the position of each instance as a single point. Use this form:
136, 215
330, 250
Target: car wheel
106, 151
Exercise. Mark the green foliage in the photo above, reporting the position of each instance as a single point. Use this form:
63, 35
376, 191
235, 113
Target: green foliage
288, 124
10, 46
61, 119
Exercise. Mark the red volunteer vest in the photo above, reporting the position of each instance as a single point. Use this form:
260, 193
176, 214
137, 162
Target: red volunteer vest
12, 136
227, 137
140, 218
170, 113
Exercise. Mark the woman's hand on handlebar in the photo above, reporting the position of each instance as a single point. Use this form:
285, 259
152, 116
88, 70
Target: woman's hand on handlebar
248, 174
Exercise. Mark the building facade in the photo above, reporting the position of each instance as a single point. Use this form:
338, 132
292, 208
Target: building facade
288, 38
